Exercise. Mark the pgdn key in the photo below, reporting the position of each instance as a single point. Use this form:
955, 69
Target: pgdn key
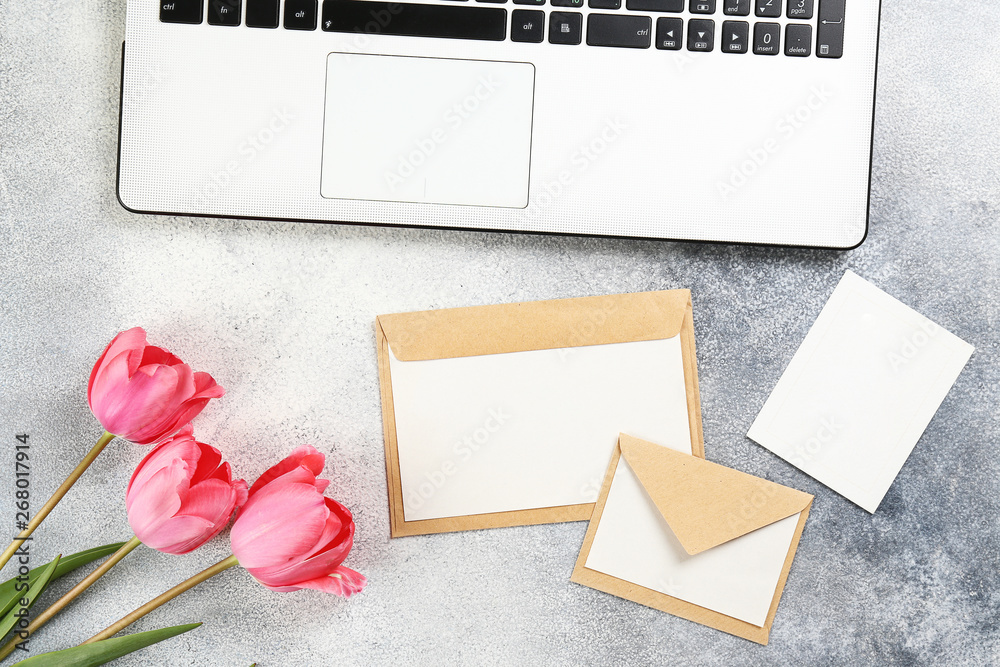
611, 30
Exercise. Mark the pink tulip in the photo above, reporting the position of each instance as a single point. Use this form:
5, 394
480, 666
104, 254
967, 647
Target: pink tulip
290, 536
143, 393
181, 495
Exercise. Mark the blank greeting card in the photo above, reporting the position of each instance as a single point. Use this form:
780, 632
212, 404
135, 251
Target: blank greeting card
860, 391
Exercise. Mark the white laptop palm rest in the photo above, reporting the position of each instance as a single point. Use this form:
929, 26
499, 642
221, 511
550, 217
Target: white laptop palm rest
712, 120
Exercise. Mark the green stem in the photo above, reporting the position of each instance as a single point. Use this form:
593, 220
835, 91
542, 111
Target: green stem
75, 592
56, 497
160, 600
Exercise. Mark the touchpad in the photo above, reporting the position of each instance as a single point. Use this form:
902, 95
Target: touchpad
427, 130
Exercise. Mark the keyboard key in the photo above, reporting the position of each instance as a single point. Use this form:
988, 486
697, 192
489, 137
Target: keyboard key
262, 13
537, 3
618, 30
769, 8
830, 29
655, 5
766, 39
736, 7
224, 12
669, 33
565, 28
575, 4
605, 4
527, 25
735, 37
300, 14
180, 11
798, 39
497, 2
800, 9
702, 7
415, 20
701, 35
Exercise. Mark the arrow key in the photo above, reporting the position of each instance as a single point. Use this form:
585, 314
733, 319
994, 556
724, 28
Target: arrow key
735, 36
701, 34
669, 33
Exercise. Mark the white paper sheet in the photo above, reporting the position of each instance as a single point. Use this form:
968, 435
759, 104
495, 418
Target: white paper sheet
860, 391
738, 578
527, 430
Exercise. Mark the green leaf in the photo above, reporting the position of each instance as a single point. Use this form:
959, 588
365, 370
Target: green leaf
99, 653
9, 595
11, 619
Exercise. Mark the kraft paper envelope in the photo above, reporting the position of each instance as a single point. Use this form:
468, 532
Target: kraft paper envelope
692, 538
506, 415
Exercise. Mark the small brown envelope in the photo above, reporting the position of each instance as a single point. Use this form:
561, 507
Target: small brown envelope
704, 505
521, 327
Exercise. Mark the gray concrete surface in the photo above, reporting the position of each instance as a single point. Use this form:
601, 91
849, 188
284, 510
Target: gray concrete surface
282, 315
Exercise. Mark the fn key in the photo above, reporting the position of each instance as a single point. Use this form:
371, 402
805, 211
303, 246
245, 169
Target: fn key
180, 11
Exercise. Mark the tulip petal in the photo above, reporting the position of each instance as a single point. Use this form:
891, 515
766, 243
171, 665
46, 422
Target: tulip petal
209, 463
306, 456
180, 448
152, 355
278, 523
181, 534
150, 506
343, 581
126, 407
124, 342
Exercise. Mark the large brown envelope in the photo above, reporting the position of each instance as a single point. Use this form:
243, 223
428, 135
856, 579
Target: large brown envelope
705, 505
539, 325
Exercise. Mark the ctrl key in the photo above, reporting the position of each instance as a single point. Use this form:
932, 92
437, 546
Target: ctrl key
181, 11
527, 25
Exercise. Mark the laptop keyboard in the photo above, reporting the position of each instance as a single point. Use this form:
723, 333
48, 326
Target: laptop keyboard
639, 25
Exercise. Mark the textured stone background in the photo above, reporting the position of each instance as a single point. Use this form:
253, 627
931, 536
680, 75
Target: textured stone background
282, 315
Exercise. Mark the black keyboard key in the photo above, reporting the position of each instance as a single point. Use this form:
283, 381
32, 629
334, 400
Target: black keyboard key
735, 37
633, 32
769, 8
702, 7
669, 33
766, 39
181, 11
800, 9
605, 4
413, 20
701, 35
655, 5
300, 14
736, 7
536, 3
262, 13
798, 39
527, 25
224, 12
497, 2
830, 29
565, 28
575, 4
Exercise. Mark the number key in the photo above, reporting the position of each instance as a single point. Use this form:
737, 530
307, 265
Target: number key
736, 7
766, 39
800, 9
769, 8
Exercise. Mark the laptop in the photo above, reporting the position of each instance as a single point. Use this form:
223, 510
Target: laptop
740, 121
